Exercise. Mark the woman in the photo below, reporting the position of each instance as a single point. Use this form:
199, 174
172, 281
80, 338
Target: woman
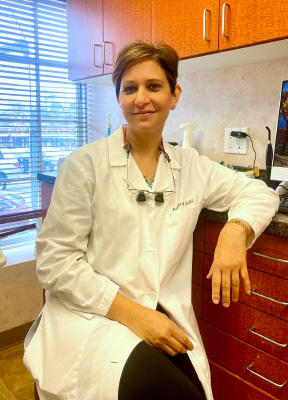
115, 251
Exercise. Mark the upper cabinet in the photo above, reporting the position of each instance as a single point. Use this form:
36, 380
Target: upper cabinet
98, 29
124, 21
191, 27
85, 38
251, 21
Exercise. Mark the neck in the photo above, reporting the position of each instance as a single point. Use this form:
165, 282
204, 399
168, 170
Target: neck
144, 144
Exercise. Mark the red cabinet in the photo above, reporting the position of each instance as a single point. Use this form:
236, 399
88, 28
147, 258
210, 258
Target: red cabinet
253, 331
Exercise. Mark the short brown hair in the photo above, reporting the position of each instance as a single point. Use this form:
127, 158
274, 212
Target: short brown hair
142, 50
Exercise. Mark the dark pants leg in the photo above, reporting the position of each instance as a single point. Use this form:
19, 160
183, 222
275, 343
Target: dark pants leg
149, 374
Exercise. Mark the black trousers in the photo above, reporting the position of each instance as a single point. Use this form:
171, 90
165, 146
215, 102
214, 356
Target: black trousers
149, 374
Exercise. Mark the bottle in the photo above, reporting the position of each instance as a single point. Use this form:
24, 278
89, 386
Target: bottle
188, 127
108, 132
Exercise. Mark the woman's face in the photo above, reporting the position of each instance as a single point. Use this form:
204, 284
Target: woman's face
145, 97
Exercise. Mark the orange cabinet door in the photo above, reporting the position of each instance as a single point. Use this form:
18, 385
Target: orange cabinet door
251, 21
85, 38
180, 24
124, 22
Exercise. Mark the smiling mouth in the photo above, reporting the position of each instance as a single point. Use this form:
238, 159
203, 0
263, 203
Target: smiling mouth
143, 113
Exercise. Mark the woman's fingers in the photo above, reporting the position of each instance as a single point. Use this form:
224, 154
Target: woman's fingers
228, 283
246, 279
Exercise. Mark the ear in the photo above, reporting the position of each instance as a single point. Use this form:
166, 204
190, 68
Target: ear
176, 95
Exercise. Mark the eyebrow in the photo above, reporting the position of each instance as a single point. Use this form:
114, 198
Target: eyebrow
148, 80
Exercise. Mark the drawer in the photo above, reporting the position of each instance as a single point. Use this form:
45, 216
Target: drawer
198, 236
197, 299
238, 320
235, 355
198, 267
212, 232
264, 284
227, 386
269, 254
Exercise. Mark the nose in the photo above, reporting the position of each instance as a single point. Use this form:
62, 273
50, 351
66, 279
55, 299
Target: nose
142, 97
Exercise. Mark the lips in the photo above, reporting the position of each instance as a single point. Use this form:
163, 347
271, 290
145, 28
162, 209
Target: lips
143, 113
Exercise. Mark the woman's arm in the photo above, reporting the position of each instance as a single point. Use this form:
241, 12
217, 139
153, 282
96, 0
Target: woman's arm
154, 327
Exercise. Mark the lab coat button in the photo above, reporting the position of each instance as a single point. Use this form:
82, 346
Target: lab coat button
153, 296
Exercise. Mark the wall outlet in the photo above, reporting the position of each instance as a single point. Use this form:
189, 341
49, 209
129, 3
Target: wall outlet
235, 145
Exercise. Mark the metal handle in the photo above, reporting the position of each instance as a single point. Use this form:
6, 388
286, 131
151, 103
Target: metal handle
266, 338
270, 258
265, 379
223, 19
104, 53
204, 24
254, 291
95, 65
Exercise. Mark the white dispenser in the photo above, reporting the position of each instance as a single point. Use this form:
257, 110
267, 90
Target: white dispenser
188, 128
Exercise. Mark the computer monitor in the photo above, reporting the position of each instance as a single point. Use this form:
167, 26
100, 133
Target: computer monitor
279, 171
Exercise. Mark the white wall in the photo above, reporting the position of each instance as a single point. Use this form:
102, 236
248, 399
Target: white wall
235, 96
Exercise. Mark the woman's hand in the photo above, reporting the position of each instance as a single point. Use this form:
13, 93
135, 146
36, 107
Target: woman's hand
154, 327
229, 262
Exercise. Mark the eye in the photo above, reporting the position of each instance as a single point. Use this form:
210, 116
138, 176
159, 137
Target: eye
154, 87
129, 89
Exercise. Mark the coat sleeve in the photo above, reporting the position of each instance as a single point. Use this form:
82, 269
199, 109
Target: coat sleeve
248, 199
62, 243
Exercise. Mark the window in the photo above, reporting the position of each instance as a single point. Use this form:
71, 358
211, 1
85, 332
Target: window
42, 114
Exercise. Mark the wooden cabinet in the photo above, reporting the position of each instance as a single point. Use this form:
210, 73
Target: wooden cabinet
205, 26
124, 22
253, 331
85, 38
251, 21
181, 25
98, 29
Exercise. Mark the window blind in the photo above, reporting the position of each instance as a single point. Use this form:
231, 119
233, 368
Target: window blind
42, 114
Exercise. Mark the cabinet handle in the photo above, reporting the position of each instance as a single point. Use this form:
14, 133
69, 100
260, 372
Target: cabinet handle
204, 24
95, 65
265, 379
254, 291
270, 258
104, 53
266, 338
223, 19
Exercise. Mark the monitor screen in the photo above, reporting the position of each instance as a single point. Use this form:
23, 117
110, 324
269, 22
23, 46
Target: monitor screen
279, 171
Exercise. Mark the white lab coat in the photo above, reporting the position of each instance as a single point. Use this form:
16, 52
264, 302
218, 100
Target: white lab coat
97, 240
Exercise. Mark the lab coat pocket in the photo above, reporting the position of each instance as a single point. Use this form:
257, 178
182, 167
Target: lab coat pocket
180, 226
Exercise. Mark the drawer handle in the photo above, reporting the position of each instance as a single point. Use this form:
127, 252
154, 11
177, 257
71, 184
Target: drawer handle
104, 53
266, 338
95, 65
265, 379
270, 258
254, 291
223, 19
204, 24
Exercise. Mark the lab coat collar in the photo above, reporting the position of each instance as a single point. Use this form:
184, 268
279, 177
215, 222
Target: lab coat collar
118, 155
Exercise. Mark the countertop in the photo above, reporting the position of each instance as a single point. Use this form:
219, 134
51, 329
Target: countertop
278, 225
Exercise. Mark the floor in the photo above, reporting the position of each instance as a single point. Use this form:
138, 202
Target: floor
15, 381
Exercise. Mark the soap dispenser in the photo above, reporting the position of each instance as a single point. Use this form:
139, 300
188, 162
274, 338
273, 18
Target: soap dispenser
188, 128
